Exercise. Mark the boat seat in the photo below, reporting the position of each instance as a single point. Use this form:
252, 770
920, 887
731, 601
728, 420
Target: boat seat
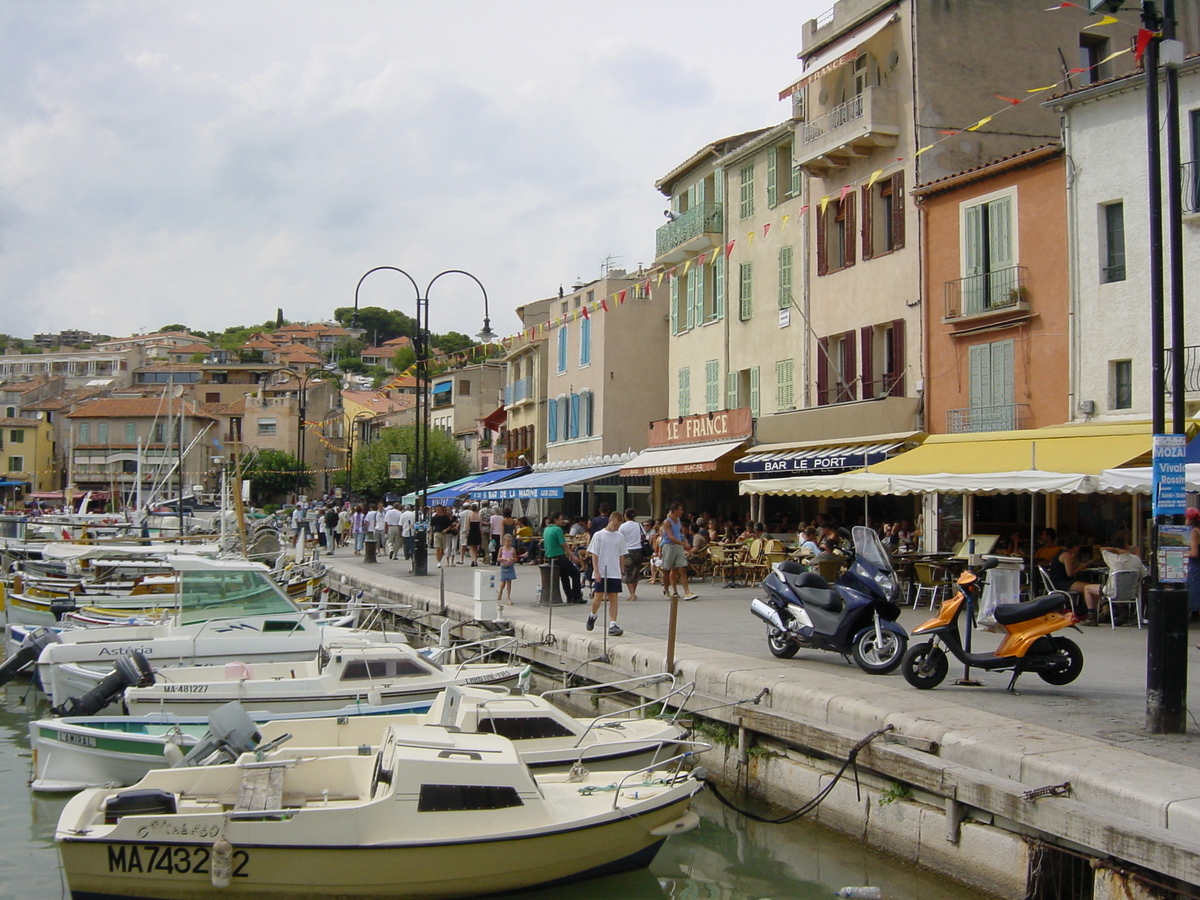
1011, 613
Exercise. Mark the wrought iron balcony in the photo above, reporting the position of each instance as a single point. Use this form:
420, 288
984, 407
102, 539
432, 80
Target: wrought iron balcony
1005, 417
849, 131
1003, 289
518, 391
694, 231
1191, 370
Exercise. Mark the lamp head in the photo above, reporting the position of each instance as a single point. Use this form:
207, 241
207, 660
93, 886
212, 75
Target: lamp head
487, 335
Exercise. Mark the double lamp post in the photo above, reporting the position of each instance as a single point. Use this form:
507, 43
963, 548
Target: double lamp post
420, 470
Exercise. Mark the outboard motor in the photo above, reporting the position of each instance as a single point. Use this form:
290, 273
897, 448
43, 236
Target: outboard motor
27, 654
231, 732
129, 671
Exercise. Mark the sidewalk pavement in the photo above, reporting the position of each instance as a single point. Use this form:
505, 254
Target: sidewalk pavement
1106, 704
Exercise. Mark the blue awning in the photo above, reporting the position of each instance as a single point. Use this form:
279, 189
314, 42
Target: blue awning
823, 456
478, 484
549, 485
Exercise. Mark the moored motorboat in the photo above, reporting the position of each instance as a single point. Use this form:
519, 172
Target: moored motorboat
432, 814
77, 752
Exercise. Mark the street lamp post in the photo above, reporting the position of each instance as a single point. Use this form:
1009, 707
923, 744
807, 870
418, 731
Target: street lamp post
421, 346
303, 380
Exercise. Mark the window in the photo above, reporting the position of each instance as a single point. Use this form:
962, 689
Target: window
742, 390
16, 464
990, 374
712, 385
585, 342
523, 728
835, 235
782, 175
464, 797
159, 434
745, 286
1120, 376
784, 389
10, 412
562, 348
575, 411
1114, 243
988, 255
837, 368
746, 190
552, 421
785, 277
16, 436
883, 216
564, 418
265, 426
365, 669
101, 432
685, 391
212, 397
1093, 49
84, 433
131, 432
464, 388
587, 414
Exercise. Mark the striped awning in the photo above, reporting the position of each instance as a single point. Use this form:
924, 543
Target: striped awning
818, 460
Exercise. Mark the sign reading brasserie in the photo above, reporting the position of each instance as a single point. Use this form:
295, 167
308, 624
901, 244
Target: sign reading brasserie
728, 424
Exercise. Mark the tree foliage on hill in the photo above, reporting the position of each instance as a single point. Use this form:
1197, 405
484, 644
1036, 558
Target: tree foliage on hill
273, 474
370, 473
380, 324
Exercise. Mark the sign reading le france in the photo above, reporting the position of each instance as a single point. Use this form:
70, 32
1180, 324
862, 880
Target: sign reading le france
1170, 474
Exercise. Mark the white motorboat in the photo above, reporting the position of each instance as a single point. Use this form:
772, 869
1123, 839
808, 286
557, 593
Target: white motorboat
432, 814
342, 680
227, 610
77, 752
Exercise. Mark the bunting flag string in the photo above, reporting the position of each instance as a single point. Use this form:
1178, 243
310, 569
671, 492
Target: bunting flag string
606, 304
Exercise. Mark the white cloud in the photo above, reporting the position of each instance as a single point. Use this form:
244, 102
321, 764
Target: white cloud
208, 162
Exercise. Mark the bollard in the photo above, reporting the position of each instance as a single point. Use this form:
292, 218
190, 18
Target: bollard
369, 549
549, 593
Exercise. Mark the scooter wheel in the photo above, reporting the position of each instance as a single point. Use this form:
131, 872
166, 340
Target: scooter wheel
925, 666
1069, 662
879, 657
780, 646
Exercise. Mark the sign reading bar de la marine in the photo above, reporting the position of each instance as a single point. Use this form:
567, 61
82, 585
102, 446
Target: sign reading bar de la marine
726, 425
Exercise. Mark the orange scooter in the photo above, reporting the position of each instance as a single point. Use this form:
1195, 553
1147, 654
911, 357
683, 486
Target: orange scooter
1027, 645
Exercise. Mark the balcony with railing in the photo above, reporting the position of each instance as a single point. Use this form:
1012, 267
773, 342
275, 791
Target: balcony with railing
694, 231
1003, 417
1002, 290
1191, 370
849, 131
518, 391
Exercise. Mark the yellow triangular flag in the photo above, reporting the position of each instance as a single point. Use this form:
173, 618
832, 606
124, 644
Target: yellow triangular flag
1039, 90
980, 123
1107, 20
923, 149
687, 265
824, 203
1113, 56
750, 236
785, 221
875, 176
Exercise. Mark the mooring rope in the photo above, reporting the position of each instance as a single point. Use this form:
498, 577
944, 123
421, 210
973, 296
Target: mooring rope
816, 801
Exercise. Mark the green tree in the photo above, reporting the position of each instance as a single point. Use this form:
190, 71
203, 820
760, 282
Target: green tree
453, 342
380, 324
403, 358
174, 327
370, 473
274, 474
352, 364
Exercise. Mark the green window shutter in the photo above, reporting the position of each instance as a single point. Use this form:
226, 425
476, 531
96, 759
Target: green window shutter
731, 391
130, 433
674, 305
712, 386
795, 179
772, 179
754, 405
784, 394
747, 191
698, 275
785, 277
719, 288
745, 284
700, 198
689, 301
719, 186
685, 391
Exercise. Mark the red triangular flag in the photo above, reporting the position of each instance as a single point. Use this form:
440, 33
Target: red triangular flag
586, 314
621, 295
845, 190
604, 303
1144, 37
700, 259
1011, 100
766, 228
729, 247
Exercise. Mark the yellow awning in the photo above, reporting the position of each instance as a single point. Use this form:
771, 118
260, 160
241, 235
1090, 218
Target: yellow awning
1080, 449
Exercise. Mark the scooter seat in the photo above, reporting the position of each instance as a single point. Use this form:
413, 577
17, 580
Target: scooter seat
1011, 613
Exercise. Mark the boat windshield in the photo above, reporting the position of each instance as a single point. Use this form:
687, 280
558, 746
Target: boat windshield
223, 594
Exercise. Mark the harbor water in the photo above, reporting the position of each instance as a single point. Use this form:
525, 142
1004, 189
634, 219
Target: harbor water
727, 857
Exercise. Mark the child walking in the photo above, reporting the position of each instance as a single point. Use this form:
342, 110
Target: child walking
507, 557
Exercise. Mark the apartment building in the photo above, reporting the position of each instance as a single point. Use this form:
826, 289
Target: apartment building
459, 402
27, 451
525, 379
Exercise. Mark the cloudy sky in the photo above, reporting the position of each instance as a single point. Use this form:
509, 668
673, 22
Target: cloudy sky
209, 162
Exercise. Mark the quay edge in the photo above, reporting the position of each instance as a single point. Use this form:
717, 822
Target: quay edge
948, 789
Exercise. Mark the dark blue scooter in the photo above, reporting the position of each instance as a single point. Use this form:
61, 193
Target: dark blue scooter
856, 616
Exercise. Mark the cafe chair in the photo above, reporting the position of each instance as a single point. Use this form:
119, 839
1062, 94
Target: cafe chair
829, 569
1076, 598
1123, 587
932, 580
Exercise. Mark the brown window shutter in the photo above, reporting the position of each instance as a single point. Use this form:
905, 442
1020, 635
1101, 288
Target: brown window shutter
849, 364
822, 371
867, 339
896, 376
898, 210
822, 258
868, 239
850, 242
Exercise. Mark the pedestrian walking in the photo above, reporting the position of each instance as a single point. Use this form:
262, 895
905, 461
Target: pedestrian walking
391, 518
331, 523
474, 533
607, 551
673, 550
507, 557
632, 531
408, 527
358, 528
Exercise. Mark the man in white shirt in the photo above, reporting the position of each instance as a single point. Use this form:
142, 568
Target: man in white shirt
391, 518
408, 522
632, 531
369, 523
607, 550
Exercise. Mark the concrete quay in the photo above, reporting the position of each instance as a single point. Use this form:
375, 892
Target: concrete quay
949, 788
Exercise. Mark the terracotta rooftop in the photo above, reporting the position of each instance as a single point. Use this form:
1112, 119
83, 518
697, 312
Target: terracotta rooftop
61, 400
130, 408
18, 422
1017, 160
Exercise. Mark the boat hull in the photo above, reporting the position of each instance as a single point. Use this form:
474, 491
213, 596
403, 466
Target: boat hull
180, 869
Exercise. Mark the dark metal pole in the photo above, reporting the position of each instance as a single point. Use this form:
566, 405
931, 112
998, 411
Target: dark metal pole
420, 561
